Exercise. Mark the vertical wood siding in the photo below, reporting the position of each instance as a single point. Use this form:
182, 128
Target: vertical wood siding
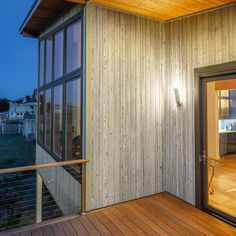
126, 114
135, 124
194, 42
138, 142
65, 189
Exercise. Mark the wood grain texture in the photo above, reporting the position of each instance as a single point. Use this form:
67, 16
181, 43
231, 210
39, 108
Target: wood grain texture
42, 166
160, 9
125, 121
138, 142
194, 42
64, 188
135, 63
141, 217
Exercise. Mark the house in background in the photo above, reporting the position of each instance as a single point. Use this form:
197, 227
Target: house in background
137, 88
21, 117
19, 107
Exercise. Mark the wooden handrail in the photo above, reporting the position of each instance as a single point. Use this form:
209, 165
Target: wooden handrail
42, 166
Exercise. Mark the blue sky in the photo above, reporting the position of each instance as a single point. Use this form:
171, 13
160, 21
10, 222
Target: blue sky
18, 55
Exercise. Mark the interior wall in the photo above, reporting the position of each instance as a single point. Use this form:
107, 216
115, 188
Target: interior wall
124, 107
213, 137
194, 42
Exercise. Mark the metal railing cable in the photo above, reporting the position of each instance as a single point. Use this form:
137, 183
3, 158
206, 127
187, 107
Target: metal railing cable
32, 194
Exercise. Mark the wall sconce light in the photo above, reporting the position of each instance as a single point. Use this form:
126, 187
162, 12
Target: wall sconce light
177, 97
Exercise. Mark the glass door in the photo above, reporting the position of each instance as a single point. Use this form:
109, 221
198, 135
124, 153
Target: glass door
219, 146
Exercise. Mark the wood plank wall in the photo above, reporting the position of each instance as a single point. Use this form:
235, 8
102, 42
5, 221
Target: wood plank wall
65, 189
138, 142
136, 64
125, 116
194, 42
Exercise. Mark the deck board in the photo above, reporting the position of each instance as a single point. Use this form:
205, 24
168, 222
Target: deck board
99, 226
162, 214
58, 230
79, 227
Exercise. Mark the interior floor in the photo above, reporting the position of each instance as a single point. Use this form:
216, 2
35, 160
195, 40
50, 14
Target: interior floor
224, 185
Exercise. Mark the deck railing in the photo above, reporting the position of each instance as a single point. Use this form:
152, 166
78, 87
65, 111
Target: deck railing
32, 194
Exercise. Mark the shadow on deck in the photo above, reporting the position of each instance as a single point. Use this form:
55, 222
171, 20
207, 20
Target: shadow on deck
161, 214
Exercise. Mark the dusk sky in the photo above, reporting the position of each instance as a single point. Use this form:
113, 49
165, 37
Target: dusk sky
18, 55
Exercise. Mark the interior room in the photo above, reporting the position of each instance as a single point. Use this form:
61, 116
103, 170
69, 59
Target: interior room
221, 144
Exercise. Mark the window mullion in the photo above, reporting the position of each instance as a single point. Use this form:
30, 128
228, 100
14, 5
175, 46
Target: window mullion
52, 90
64, 122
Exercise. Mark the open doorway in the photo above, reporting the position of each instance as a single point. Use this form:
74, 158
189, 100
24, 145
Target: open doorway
215, 120
221, 144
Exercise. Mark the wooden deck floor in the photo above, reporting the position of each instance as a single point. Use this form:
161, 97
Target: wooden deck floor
162, 214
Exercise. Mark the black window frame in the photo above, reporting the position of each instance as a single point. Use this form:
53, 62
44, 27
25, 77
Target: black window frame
66, 77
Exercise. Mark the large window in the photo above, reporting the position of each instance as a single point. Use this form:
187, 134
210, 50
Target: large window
60, 91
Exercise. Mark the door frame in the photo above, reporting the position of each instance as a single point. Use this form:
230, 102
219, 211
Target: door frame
200, 75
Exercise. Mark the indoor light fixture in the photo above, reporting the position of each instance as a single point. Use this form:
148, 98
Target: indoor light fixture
177, 97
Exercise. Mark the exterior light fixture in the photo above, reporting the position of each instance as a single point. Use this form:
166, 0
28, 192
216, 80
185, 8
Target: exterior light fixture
177, 97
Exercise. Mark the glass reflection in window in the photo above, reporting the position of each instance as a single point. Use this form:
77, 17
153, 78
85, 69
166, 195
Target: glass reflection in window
57, 120
41, 63
49, 60
58, 56
73, 118
73, 46
48, 115
40, 117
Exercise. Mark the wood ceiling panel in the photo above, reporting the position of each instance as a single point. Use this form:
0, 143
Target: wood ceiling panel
160, 9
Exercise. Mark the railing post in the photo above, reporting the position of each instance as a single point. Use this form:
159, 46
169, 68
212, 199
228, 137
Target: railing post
39, 196
83, 188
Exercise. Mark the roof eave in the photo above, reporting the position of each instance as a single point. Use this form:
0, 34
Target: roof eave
28, 17
41, 14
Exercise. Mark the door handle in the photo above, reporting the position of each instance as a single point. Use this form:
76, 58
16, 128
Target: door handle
204, 157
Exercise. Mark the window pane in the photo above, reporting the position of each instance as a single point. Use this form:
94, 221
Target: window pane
48, 115
59, 38
57, 120
73, 129
74, 46
41, 63
49, 60
40, 117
